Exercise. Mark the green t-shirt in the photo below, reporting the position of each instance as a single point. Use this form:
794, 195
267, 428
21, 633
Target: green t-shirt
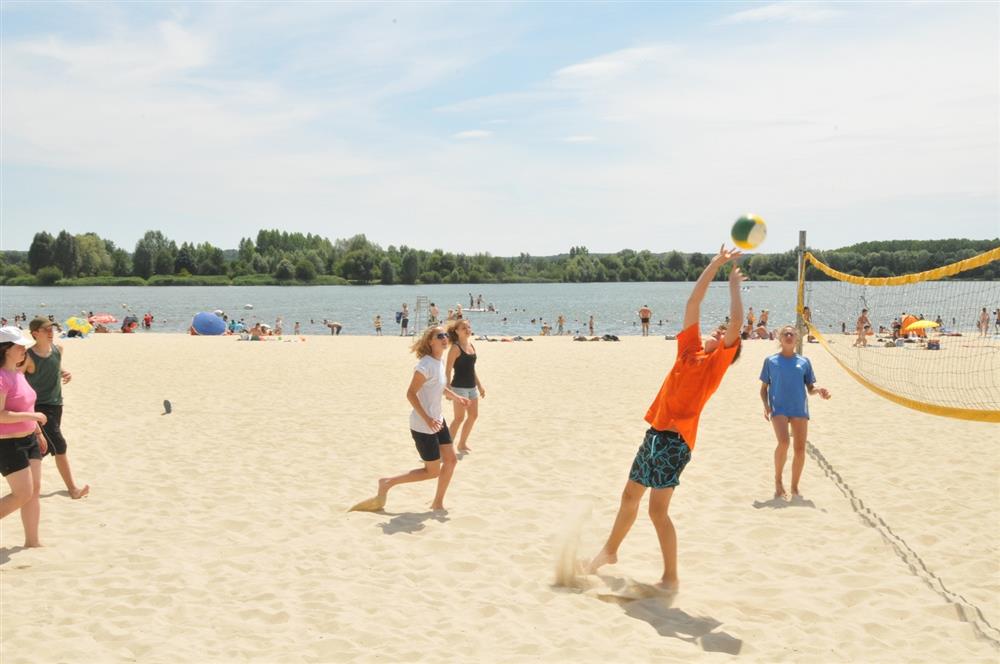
46, 379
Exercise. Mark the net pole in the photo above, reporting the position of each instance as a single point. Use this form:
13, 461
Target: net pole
800, 292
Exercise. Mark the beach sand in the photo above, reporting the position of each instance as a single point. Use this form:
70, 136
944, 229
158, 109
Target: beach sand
219, 532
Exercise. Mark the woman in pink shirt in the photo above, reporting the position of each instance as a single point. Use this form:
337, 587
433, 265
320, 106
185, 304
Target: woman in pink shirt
21, 442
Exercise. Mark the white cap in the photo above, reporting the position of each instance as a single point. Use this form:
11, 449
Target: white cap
14, 335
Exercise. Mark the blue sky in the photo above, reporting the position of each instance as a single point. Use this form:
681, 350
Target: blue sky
504, 128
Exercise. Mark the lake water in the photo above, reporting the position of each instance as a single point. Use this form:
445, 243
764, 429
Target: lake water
613, 305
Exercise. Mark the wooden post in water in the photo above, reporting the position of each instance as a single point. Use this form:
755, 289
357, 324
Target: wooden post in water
800, 291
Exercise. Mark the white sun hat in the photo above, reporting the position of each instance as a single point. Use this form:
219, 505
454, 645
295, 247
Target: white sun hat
14, 335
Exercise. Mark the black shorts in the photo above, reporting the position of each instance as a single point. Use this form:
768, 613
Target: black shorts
660, 460
15, 453
643, 320
429, 444
53, 428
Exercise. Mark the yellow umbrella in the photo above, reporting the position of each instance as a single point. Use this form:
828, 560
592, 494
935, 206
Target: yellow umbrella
920, 325
79, 324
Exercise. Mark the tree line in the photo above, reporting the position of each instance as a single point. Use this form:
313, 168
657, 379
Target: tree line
280, 257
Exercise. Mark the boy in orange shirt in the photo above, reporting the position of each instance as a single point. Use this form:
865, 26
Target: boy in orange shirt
673, 420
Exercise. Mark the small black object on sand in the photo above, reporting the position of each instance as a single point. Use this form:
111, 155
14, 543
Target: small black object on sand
167, 408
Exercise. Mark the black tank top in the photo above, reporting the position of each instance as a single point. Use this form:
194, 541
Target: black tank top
465, 369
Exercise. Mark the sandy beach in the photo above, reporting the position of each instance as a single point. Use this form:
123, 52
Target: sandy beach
219, 532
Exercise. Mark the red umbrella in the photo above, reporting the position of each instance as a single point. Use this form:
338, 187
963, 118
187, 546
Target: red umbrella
102, 318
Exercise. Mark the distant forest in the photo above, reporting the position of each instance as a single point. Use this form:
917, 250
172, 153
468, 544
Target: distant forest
281, 258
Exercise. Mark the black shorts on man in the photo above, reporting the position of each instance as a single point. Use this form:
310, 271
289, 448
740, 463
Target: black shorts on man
53, 428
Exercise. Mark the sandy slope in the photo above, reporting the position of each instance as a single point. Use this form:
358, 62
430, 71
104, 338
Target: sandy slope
218, 532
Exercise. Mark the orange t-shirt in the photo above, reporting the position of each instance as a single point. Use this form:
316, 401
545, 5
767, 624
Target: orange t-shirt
687, 388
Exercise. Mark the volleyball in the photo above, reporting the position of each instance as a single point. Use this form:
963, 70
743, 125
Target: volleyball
749, 231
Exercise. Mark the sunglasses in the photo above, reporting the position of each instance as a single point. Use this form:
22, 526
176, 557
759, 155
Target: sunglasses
788, 334
441, 335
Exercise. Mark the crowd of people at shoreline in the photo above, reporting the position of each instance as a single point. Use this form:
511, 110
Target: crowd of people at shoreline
753, 327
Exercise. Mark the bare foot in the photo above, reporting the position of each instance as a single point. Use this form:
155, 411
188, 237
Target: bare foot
76, 494
779, 491
600, 560
464, 448
795, 493
670, 587
438, 507
32, 545
383, 487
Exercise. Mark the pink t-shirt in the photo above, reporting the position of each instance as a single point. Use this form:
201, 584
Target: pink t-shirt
20, 398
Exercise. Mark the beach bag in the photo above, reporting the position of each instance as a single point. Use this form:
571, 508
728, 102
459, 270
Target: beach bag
399, 316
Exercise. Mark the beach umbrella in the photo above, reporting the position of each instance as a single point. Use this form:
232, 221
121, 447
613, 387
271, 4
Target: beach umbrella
208, 324
103, 318
920, 325
79, 324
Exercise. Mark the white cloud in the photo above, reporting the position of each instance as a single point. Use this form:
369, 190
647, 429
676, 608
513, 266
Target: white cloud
616, 64
151, 54
785, 12
472, 134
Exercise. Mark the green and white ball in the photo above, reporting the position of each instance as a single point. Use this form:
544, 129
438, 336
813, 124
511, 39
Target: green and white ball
749, 231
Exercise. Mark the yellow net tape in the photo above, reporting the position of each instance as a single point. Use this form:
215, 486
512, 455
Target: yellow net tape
869, 372
903, 279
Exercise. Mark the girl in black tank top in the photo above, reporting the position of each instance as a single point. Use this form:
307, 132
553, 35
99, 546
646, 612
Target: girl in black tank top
460, 369
465, 368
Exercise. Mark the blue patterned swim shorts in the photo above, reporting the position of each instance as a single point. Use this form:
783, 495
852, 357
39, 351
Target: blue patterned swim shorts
660, 460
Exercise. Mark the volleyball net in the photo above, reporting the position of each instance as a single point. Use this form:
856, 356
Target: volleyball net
922, 340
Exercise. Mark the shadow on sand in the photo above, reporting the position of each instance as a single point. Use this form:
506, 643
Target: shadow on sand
5, 554
411, 522
655, 606
780, 503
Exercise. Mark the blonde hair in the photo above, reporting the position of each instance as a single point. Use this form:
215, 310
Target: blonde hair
422, 346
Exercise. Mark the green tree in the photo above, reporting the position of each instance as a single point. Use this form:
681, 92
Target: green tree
411, 268
676, 262
154, 254
260, 265
40, 252
284, 271
121, 263
164, 263
305, 270
209, 259
64, 254
185, 259
387, 272
94, 258
48, 276
246, 250
358, 265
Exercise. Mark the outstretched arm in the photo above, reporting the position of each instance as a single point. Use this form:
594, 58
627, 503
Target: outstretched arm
692, 313
735, 307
